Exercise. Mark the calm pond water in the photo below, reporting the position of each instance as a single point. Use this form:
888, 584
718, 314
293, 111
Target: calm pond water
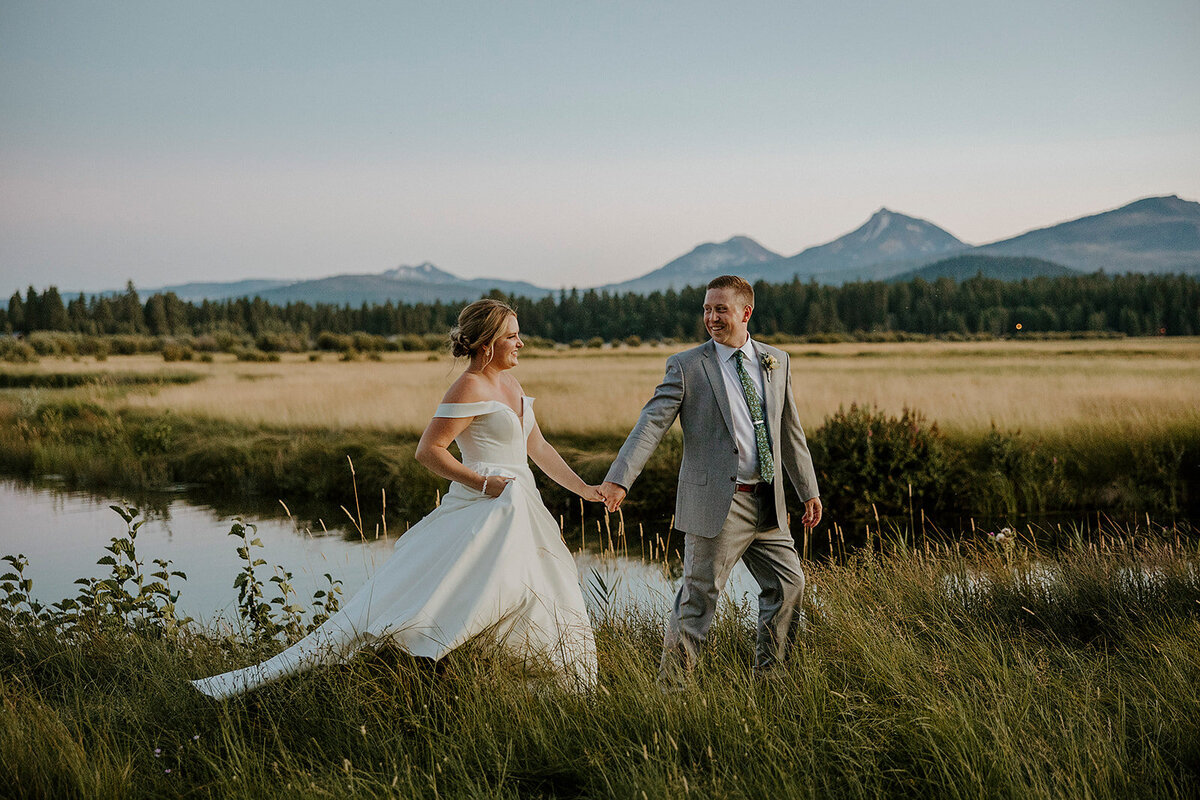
63, 533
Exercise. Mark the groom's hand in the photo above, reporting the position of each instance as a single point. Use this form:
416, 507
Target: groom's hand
812, 512
613, 494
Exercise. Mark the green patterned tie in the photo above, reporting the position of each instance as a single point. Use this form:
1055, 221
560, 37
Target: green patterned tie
766, 465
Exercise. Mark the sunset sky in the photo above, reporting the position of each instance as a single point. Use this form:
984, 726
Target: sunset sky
564, 143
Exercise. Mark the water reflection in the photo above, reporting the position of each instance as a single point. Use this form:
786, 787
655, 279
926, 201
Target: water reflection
63, 533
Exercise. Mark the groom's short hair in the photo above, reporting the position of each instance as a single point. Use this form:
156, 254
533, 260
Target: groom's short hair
741, 287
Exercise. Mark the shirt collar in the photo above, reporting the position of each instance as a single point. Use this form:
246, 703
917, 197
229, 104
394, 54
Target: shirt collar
725, 352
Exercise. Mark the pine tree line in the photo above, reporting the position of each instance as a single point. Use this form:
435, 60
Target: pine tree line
1132, 304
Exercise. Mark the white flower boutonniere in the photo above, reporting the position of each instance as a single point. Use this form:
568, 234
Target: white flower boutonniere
769, 363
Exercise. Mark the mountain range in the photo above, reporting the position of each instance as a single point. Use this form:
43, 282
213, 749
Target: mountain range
423, 283
1152, 235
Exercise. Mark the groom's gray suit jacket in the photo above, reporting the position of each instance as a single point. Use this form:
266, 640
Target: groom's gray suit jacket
693, 390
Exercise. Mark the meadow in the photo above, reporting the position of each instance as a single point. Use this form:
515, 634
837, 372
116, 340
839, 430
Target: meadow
1129, 386
970, 669
983, 428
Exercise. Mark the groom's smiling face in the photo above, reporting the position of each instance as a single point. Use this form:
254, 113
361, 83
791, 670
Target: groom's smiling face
726, 315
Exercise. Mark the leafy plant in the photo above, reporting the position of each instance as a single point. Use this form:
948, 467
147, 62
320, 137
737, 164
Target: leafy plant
130, 596
291, 622
326, 602
16, 606
253, 609
145, 603
281, 615
875, 464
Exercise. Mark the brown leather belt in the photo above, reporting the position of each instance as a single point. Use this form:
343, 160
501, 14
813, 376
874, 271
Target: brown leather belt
752, 488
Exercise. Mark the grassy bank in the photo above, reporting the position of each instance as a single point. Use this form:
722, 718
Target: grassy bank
1001, 429
971, 671
873, 467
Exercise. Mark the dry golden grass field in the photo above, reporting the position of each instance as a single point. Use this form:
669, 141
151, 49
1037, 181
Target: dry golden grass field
1042, 387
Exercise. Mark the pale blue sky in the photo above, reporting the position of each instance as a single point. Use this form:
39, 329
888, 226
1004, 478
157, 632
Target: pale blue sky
564, 143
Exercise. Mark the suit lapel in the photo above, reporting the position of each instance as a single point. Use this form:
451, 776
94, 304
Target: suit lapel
712, 368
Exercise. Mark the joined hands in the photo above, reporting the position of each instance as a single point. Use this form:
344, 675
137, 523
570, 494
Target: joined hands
612, 494
591, 494
608, 493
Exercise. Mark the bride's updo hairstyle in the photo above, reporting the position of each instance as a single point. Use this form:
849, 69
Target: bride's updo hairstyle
479, 325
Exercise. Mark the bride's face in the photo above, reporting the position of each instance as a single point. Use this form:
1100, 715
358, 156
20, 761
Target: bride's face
504, 349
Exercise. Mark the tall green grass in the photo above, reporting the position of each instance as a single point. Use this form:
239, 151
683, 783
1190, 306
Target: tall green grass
950, 670
871, 466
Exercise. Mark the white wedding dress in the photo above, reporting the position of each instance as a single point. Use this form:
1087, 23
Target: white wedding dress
476, 564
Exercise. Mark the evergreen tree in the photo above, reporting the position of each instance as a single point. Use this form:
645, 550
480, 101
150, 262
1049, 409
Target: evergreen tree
54, 313
33, 310
16, 314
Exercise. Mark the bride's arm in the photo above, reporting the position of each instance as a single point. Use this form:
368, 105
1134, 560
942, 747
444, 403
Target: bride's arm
433, 453
551, 463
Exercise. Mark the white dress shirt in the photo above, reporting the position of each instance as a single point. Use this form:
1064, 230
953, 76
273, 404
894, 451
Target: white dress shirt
743, 426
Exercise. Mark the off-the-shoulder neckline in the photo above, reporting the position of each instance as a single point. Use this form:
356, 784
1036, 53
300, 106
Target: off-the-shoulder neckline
525, 400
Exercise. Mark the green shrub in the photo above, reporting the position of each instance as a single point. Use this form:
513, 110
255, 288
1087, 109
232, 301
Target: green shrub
368, 342
125, 345
154, 438
54, 343
335, 341
411, 342
173, 351
281, 343
96, 346
536, 342
16, 351
227, 341
868, 462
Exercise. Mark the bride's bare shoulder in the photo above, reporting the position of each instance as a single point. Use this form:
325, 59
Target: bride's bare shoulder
513, 385
468, 388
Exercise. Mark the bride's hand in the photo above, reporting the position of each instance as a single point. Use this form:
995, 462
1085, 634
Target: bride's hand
592, 494
496, 484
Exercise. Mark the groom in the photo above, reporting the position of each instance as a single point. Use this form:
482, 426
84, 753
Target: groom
741, 432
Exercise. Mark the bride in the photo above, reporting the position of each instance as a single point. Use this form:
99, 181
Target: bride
489, 559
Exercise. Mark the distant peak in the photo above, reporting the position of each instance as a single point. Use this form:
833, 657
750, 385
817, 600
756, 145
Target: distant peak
424, 272
877, 224
1167, 202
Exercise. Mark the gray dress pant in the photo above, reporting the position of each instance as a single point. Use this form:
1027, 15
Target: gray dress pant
771, 557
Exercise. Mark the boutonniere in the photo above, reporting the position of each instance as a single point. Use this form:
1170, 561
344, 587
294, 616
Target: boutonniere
769, 363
